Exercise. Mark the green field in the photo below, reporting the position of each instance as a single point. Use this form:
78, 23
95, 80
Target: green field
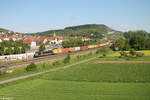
40, 89
95, 72
87, 81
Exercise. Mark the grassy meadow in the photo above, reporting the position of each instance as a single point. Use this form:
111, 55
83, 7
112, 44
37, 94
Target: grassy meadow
41, 89
86, 81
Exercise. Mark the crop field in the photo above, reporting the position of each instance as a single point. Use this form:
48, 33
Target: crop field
146, 53
103, 72
86, 81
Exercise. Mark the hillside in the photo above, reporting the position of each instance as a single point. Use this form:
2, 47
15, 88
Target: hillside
3, 30
90, 30
7, 32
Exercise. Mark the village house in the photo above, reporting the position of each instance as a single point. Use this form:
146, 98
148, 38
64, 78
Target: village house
56, 40
85, 39
31, 41
9, 38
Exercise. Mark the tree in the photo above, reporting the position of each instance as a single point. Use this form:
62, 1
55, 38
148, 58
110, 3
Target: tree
42, 48
23, 49
147, 44
17, 50
127, 44
132, 52
137, 42
123, 54
131, 34
2, 50
8, 51
119, 44
77, 42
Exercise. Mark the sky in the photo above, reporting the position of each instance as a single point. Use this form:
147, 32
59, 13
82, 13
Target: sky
41, 15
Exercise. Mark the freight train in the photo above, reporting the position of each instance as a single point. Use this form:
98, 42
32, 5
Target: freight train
71, 49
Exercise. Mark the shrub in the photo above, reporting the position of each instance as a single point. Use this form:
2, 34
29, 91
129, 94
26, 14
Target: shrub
123, 54
67, 59
98, 51
78, 57
103, 54
139, 54
56, 63
31, 67
132, 52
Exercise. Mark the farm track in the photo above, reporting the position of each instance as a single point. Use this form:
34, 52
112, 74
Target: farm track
48, 58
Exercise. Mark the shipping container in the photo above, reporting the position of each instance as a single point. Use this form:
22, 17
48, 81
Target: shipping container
90, 46
86, 47
72, 49
77, 48
103, 44
98, 45
65, 49
57, 50
83, 48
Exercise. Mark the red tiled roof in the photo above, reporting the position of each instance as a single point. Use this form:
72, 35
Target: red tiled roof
29, 40
42, 38
10, 37
57, 37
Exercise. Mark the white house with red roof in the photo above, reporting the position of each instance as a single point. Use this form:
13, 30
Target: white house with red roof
9, 38
56, 40
43, 39
31, 41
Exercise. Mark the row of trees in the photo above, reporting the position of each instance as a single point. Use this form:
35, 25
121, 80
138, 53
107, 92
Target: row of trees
77, 42
13, 47
138, 40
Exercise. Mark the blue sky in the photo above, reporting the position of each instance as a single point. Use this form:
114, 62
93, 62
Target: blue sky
41, 15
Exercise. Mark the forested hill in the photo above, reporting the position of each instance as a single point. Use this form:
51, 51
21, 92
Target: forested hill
97, 30
89, 26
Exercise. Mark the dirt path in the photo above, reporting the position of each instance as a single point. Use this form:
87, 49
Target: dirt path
39, 73
123, 62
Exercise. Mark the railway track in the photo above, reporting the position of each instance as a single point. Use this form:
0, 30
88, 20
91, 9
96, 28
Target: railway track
47, 58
